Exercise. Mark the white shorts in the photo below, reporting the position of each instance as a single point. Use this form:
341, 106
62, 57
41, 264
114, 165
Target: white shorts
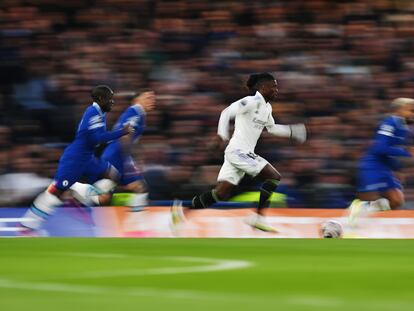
237, 163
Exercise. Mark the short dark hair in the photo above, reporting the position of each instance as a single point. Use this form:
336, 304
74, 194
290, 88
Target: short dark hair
256, 79
99, 91
132, 96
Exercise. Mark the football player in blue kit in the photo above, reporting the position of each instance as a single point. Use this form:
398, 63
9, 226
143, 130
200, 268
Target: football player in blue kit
378, 189
78, 160
118, 154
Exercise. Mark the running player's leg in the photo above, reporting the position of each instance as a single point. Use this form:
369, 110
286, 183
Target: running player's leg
370, 202
108, 182
395, 199
45, 203
137, 196
377, 191
104, 178
271, 179
254, 165
394, 193
228, 177
132, 180
220, 193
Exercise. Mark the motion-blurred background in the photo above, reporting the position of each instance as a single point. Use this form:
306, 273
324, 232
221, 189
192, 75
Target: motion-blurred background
338, 65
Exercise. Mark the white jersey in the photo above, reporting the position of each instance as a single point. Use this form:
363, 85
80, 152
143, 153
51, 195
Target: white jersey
252, 114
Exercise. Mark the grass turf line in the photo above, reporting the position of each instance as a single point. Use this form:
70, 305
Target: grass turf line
50, 273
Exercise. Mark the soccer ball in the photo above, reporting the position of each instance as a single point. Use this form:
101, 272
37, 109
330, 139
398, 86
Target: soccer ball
331, 229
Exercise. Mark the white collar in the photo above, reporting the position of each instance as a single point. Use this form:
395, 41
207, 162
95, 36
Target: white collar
138, 108
97, 107
401, 119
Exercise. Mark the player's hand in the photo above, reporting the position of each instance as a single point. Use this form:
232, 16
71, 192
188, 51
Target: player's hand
128, 129
220, 144
217, 144
298, 132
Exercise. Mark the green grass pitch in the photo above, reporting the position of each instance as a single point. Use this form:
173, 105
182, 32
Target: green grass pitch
205, 274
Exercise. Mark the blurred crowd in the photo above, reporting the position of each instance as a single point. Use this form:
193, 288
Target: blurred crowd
338, 66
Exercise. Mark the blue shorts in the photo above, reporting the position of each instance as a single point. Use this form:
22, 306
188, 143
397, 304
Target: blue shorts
70, 171
370, 180
125, 165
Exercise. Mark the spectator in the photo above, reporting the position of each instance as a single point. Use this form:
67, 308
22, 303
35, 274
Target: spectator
338, 65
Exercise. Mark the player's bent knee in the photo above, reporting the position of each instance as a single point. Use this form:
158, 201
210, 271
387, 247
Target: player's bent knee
396, 199
278, 177
397, 203
269, 172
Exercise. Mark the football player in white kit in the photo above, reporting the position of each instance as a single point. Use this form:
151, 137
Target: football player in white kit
251, 114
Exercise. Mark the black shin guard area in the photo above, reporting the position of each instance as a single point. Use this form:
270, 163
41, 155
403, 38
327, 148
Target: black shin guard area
204, 200
266, 191
269, 185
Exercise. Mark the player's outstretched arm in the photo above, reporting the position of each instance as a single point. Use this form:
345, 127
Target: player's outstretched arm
292, 131
100, 135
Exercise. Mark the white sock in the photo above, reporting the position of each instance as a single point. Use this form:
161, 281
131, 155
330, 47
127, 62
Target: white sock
138, 200
105, 185
79, 187
85, 193
383, 204
376, 206
43, 206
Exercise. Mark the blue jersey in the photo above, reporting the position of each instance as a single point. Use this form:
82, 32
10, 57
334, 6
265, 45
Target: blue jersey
91, 132
78, 158
116, 155
392, 134
134, 116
